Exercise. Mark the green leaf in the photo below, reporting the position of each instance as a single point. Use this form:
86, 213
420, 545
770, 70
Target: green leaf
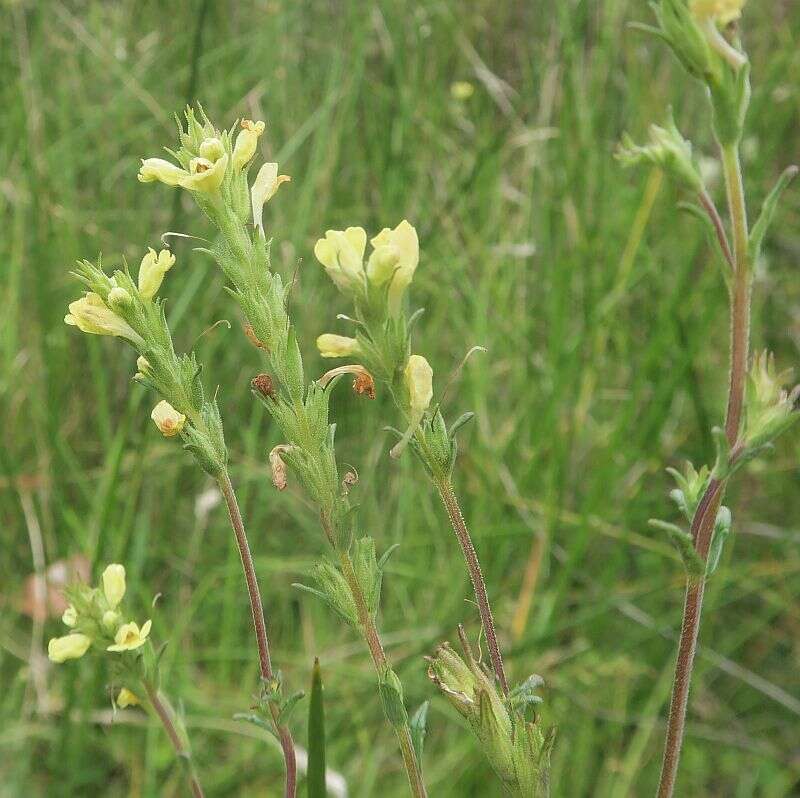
419, 728
463, 419
288, 705
763, 222
722, 528
315, 775
256, 720
684, 543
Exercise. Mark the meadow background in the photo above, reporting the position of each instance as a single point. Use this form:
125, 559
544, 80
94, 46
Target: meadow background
605, 320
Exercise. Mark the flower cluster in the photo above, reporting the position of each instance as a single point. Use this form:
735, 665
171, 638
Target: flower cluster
131, 309
96, 620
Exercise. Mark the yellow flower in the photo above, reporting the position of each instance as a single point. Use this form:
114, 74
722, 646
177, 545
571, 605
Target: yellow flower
341, 252
396, 253
72, 646
158, 169
331, 345
205, 174
461, 90
168, 420
723, 12
246, 143
267, 182
152, 270
125, 698
419, 382
114, 584
129, 636
70, 616
91, 315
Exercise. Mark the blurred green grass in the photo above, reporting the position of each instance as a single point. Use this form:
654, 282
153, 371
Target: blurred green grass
606, 362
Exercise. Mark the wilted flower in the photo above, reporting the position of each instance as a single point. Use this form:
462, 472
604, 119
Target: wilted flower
168, 420
341, 252
667, 149
152, 270
331, 345
72, 646
91, 315
114, 584
395, 257
130, 637
278, 466
126, 698
267, 182
246, 143
362, 384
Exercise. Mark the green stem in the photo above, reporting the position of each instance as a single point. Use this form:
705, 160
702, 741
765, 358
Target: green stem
476, 576
166, 715
379, 658
260, 626
706, 513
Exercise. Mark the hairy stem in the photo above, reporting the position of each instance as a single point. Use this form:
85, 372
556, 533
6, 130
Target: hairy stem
381, 662
257, 609
166, 716
706, 513
476, 575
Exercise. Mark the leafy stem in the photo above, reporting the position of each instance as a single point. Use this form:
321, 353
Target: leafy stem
705, 516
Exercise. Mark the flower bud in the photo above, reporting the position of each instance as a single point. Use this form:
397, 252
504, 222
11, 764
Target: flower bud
152, 270
341, 253
126, 698
769, 407
70, 616
111, 620
114, 584
168, 420
331, 345
246, 143
419, 382
211, 149
72, 646
668, 150
267, 182
119, 298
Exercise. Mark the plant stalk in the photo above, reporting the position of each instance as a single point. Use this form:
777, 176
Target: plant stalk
165, 715
381, 662
450, 502
257, 609
706, 513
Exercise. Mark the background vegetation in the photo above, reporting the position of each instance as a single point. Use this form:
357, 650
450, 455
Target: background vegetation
605, 321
